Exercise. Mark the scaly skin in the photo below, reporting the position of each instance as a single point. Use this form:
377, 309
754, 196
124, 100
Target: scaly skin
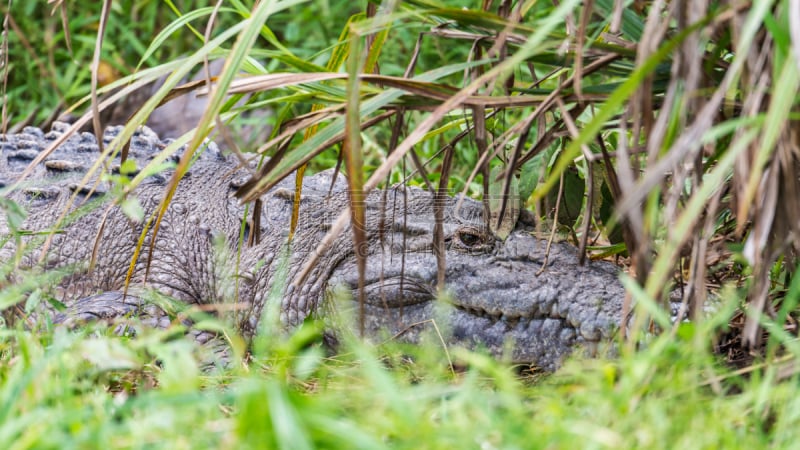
498, 295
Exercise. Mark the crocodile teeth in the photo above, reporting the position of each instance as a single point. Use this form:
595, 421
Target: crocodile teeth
61, 165
41, 193
86, 190
589, 333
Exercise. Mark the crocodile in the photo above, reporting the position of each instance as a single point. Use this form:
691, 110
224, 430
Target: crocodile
516, 298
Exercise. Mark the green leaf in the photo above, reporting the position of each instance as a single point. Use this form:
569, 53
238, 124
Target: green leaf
606, 213
15, 214
502, 227
128, 167
571, 198
534, 171
133, 209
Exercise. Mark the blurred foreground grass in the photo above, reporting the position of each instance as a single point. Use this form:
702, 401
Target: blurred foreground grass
68, 390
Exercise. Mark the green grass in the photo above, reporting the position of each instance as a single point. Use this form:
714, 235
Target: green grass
90, 390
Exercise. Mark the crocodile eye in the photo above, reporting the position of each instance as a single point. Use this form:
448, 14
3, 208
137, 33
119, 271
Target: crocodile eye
470, 238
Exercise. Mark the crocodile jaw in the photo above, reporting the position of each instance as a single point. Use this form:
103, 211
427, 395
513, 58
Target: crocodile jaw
543, 342
504, 303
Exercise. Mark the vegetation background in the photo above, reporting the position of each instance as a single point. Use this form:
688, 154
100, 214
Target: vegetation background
659, 133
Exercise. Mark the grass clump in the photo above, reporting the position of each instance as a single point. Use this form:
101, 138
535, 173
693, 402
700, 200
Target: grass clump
90, 390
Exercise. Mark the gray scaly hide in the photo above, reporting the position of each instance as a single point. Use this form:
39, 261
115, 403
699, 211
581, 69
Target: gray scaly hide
498, 296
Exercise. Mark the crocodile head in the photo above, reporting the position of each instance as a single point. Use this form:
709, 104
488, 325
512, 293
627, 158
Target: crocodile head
511, 297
